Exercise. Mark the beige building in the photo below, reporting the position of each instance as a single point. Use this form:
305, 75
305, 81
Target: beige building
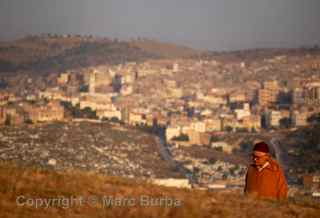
108, 114
298, 96
269, 94
299, 118
213, 124
172, 131
2, 115
194, 137
53, 111
14, 115
52, 94
136, 119
198, 126
244, 112
237, 97
4, 98
212, 99
273, 118
176, 92
63, 78
92, 82
252, 122
126, 90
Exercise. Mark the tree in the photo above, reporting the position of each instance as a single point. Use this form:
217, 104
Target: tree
212, 160
285, 122
240, 129
182, 137
253, 130
218, 148
7, 122
228, 128
224, 176
314, 119
28, 121
115, 119
246, 146
214, 138
84, 88
89, 113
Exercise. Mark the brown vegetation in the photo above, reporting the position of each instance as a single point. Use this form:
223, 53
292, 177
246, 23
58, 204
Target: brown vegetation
52, 53
47, 53
43, 184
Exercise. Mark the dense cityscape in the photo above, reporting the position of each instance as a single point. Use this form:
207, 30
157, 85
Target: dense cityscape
186, 122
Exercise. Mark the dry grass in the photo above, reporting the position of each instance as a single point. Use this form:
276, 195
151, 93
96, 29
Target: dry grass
44, 184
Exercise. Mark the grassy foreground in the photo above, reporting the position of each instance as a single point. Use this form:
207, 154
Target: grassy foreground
31, 192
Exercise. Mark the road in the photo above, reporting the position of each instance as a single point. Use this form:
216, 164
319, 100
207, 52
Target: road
281, 156
167, 156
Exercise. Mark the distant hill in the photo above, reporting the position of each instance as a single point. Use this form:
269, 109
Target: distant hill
259, 54
167, 50
51, 53
24, 191
46, 53
56, 53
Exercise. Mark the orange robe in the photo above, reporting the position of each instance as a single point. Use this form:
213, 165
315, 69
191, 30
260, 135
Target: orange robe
270, 182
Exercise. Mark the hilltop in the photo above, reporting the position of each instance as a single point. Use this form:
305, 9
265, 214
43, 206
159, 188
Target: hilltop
164, 49
21, 187
56, 53
46, 53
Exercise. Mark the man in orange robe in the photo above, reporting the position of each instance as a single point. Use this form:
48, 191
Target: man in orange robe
265, 178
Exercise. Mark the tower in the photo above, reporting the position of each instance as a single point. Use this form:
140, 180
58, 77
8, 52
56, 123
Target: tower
92, 83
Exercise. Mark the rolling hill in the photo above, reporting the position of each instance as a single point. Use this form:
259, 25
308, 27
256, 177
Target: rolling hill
47, 53
31, 192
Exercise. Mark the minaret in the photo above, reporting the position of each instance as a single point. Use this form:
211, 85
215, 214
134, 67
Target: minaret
92, 82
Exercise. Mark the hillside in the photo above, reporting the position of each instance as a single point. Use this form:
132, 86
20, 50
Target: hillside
23, 192
166, 50
303, 147
46, 53
102, 147
56, 53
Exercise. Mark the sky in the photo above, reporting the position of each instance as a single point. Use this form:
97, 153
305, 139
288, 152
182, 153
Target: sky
205, 24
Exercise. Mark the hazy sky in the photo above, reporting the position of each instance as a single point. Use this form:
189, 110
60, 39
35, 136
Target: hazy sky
208, 24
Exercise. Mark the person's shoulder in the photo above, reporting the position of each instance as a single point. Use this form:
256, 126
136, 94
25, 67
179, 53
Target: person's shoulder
250, 167
274, 165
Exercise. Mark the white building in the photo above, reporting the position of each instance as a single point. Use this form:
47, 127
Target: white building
274, 118
198, 126
170, 182
299, 118
240, 113
172, 131
109, 114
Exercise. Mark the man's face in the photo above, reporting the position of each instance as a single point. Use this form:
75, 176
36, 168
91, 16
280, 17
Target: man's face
259, 158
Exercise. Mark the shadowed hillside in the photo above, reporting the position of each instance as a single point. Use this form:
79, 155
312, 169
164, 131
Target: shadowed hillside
56, 53
48, 53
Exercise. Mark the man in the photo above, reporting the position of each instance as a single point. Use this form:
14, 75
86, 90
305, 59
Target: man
265, 178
